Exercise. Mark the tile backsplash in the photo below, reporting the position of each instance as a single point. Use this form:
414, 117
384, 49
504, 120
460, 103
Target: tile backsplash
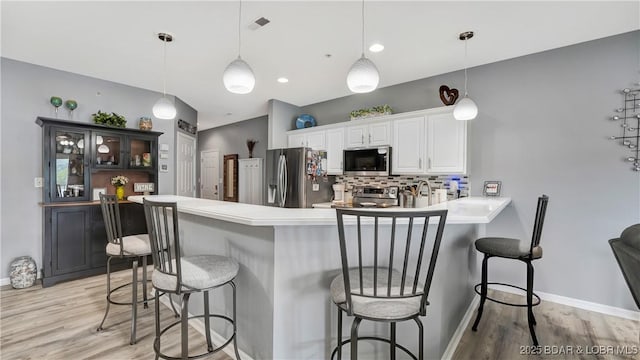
402, 181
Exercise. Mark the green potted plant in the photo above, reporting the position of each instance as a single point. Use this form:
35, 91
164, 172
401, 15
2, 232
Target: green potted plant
107, 119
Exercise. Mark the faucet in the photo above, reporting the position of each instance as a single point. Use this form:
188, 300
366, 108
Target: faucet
419, 190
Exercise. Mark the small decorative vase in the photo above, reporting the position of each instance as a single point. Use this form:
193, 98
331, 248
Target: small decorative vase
23, 272
120, 192
145, 123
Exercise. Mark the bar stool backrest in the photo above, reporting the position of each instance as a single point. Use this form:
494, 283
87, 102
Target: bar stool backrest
111, 216
382, 253
162, 224
538, 223
626, 249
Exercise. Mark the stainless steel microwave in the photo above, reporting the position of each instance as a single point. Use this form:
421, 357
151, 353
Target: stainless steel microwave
368, 161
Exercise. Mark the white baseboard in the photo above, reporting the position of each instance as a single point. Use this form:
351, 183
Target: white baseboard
216, 338
457, 335
580, 304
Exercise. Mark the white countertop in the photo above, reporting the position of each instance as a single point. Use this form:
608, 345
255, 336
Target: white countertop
471, 210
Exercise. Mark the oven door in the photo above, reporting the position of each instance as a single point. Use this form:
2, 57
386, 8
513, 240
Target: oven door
367, 162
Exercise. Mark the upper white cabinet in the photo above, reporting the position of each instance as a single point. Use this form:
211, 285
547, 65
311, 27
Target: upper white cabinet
430, 144
408, 151
374, 134
446, 144
423, 142
335, 146
315, 140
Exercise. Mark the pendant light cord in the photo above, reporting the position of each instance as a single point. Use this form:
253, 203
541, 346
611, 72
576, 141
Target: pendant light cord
239, 21
164, 67
362, 28
465, 67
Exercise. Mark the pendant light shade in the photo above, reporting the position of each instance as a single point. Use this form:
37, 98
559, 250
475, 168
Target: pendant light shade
363, 77
238, 77
466, 109
164, 109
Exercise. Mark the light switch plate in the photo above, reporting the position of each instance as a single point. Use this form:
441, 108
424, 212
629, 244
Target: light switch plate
316, 187
37, 182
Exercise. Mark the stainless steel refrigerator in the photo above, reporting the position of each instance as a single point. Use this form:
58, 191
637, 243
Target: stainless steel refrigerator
297, 178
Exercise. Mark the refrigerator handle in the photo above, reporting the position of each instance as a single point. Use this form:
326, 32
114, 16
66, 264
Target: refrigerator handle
279, 182
284, 180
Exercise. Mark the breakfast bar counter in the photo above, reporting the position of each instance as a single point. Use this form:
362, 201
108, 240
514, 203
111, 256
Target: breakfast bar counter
288, 258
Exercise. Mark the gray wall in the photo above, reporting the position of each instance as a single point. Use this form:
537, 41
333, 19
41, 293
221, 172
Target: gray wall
543, 128
26, 89
282, 117
232, 139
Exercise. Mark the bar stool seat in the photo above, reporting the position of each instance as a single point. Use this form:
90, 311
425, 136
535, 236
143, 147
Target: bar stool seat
507, 247
199, 272
134, 245
379, 308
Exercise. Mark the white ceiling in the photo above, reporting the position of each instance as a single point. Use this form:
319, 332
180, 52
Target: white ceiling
116, 41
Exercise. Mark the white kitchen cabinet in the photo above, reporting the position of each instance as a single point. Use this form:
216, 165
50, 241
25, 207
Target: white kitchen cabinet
408, 152
431, 144
335, 146
374, 134
446, 144
250, 181
314, 139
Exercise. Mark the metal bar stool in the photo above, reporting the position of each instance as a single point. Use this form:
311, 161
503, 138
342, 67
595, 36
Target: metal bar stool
509, 248
626, 249
130, 247
385, 278
184, 275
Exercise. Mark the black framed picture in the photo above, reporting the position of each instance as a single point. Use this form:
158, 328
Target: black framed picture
492, 188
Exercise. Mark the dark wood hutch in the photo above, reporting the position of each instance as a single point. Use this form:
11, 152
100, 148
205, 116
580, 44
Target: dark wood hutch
79, 158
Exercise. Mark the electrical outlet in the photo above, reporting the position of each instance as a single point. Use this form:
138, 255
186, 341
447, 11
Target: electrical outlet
37, 182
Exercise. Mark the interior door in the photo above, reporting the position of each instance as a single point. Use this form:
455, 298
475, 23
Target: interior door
210, 174
186, 175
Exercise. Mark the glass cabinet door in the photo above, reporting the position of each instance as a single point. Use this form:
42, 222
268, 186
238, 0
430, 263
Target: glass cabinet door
141, 150
107, 150
69, 167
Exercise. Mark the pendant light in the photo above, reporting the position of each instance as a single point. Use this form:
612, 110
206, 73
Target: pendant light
465, 109
363, 76
238, 77
164, 108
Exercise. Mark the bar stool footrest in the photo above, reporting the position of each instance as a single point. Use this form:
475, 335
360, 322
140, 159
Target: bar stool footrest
216, 349
335, 350
535, 303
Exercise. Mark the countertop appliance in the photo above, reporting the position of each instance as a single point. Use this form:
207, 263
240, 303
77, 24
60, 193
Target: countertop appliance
367, 161
297, 178
374, 196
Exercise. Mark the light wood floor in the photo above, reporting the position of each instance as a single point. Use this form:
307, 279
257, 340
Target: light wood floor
503, 333
60, 322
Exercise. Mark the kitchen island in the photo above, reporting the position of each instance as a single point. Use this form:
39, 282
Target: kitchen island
288, 258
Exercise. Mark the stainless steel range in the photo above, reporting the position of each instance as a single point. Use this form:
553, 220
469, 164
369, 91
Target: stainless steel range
373, 196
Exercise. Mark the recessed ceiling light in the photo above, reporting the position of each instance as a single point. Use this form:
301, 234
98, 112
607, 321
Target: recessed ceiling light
228, 114
283, 80
376, 47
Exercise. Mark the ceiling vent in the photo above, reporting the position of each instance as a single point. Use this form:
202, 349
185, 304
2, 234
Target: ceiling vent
259, 22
